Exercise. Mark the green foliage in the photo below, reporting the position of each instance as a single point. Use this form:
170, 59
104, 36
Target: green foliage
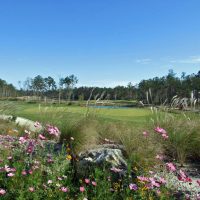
184, 135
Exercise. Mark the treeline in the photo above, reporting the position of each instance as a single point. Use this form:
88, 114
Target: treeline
160, 90
7, 90
152, 91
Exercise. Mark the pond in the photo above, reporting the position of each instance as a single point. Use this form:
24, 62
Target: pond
110, 107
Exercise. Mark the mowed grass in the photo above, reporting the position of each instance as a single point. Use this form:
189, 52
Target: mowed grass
37, 112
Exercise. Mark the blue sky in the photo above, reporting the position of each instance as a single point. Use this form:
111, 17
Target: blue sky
102, 42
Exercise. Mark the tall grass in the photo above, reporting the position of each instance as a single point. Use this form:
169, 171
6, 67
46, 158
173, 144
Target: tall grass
184, 135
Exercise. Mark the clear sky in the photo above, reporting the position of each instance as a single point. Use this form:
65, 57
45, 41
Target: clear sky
102, 42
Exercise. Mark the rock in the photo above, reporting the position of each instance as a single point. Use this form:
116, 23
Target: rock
102, 155
29, 124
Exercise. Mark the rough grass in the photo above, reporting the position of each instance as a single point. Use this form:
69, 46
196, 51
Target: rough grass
184, 135
124, 126
133, 117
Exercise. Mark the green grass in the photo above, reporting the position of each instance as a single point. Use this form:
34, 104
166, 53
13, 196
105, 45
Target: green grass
134, 116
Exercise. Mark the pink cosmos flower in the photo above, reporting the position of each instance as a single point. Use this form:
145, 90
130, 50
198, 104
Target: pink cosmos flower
116, 170
7, 168
142, 178
94, 183
160, 130
31, 189
24, 173
64, 189
154, 182
87, 181
30, 171
50, 182
10, 175
53, 130
165, 136
2, 192
22, 140
41, 137
198, 181
159, 157
30, 147
13, 170
82, 189
182, 174
133, 187
171, 167
162, 181
9, 158
183, 177
145, 133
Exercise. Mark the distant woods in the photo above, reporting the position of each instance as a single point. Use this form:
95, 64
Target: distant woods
152, 91
7, 90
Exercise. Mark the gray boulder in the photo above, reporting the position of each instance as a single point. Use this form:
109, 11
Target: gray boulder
108, 155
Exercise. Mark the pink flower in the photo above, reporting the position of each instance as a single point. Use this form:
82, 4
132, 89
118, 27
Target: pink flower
159, 157
87, 181
82, 189
2, 192
94, 183
7, 168
30, 147
162, 181
133, 187
171, 167
165, 136
12, 169
31, 189
160, 130
10, 175
182, 174
154, 183
145, 133
183, 177
22, 140
30, 171
50, 182
41, 137
24, 173
9, 158
60, 179
64, 189
143, 179
116, 170
52, 130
